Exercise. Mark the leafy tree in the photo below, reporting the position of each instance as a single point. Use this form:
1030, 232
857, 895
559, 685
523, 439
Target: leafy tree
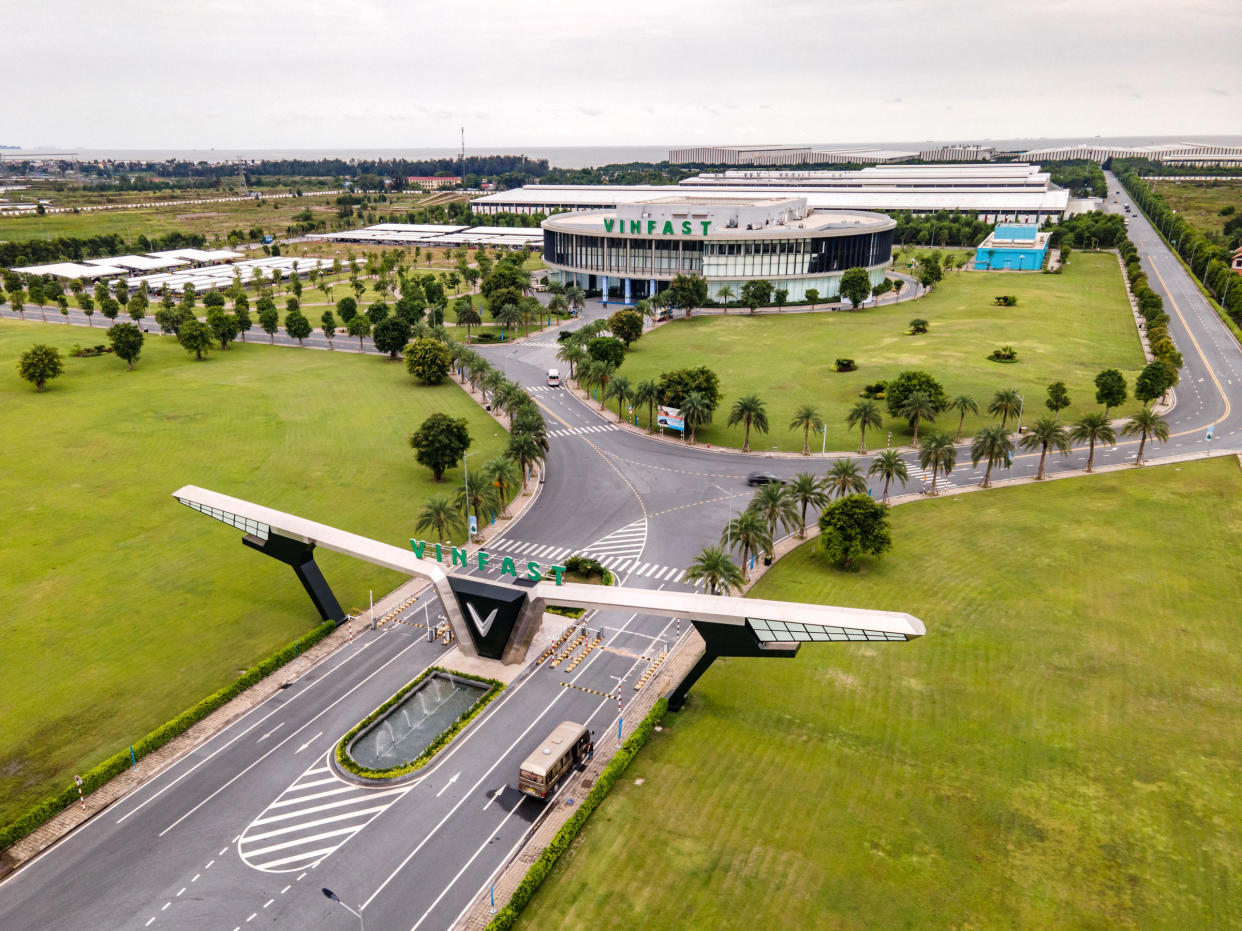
1093, 428
196, 337
852, 527
908, 382
724, 294
508, 315
40, 364
1151, 383
807, 490
109, 307
917, 407
126, 340
718, 573
938, 453
695, 411
213, 299
297, 326
360, 327
750, 411
647, 392
607, 349
527, 449
864, 414
85, 302
812, 295
1145, 423
327, 322
919, 326
749, 533
780, 296
844, 478
37, 296
269, 320
391, 334
347, 309
137, 307
427, 360
889, 465
966, 405
626, 325
993, 444
17, 301
467, 315
439, 442
677, 383
377, 313
855, 286
1058, 398
688, 291
1006, 403
222, 324
808, 418
1046, 434
756, 293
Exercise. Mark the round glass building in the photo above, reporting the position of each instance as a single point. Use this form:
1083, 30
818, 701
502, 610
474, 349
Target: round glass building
634, 251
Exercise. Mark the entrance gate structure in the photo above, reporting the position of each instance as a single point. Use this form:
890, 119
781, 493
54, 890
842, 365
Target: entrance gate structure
504, 618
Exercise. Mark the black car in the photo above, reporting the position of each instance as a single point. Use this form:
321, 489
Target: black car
762, 478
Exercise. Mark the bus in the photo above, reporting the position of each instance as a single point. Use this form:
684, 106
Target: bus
568, 744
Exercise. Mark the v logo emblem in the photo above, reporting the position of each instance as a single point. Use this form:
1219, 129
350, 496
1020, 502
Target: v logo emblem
481, 626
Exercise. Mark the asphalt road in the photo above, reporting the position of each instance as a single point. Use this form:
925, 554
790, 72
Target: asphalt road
246, 829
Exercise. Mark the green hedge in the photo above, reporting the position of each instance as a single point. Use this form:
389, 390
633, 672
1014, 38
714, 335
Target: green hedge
349, 763
116, 764
539, 870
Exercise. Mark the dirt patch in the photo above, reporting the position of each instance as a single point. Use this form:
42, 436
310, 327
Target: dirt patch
196, 216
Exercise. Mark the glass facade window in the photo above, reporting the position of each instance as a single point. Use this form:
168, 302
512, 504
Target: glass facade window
788, 631
244, 524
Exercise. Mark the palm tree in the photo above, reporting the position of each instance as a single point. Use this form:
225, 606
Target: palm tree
844, 478
864, 414
808, 418
619, 388
527, 419
1146, 423
647, 392
527, 449
509, 316
502, 472
749, 532
558, 305
600, 373
571, 351
440, 516
481, 496
576, 297
724, 295
1007, 403
718, 573
937, 452
1093, 428
468, 316
993, 444
966, 405
918, 406
775, 505
1046, 433
807, 489
508, 398
491, 382
749, 410
889, 465
695, 409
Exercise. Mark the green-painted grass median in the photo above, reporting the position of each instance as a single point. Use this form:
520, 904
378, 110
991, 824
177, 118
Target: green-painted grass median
1065, 327
122, 608
1060, 750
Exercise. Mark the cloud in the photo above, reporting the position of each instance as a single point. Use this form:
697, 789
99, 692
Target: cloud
1218, 92
590, 111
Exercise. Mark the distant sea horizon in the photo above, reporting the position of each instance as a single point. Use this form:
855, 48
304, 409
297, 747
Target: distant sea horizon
584, 156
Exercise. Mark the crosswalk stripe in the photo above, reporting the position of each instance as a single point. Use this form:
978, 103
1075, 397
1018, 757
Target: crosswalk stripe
307, 798
285, 816
303, 857
285, 845
317, 782
314, 824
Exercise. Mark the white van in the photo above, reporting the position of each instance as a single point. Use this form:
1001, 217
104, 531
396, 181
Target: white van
554, 378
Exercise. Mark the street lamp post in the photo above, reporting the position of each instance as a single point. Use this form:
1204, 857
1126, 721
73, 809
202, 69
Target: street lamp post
465, 468
337, 899
1021, 408
619, 679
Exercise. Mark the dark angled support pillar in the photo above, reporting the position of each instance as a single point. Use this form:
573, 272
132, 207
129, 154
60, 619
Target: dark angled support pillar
301, 556
725, 640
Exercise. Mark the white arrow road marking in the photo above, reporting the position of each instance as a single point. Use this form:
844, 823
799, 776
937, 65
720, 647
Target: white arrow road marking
447, 784
308, 743
271, 732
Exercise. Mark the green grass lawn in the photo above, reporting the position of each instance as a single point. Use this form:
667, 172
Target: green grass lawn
1200, 201
1066, 327
1060, 750
121, 606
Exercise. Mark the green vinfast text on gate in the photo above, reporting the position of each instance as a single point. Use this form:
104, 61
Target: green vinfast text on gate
457, 556
686, 227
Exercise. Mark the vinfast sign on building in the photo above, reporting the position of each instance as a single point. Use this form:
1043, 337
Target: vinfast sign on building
684, 227
457, 556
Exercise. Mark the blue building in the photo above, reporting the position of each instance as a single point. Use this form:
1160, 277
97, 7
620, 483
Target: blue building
1012, 247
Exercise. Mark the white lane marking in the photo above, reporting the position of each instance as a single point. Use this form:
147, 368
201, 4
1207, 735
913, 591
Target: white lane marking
195, 879
271, 732
315, 782
272, 864
166, 904
306, 811
180, 893
313, 795
149, 920
303, 825
268, 902
308, 743
252, 917
324, 711
286, 889
285, 845
447, 784
209, 862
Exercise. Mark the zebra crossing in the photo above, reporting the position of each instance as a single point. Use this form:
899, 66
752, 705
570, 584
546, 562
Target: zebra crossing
614, 558
579, 431
628, 541
310, 820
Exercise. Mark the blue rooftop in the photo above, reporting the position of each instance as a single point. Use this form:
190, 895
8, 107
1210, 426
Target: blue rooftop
1016, 231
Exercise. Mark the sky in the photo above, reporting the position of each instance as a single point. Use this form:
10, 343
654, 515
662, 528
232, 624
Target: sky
381, 73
